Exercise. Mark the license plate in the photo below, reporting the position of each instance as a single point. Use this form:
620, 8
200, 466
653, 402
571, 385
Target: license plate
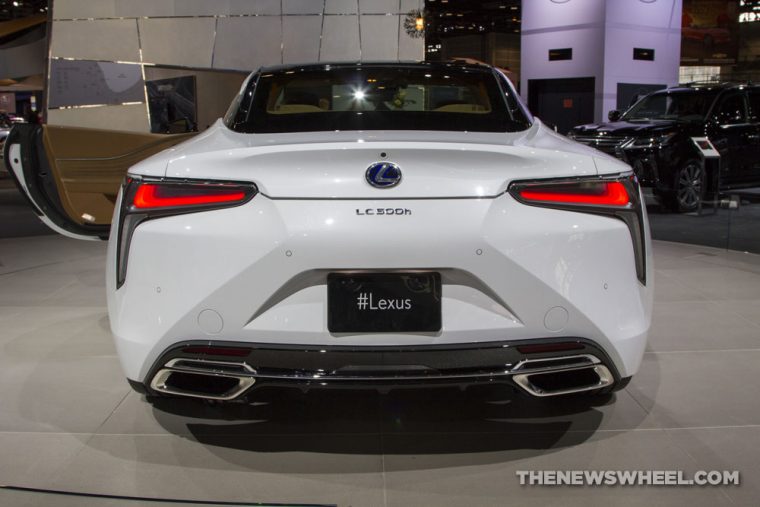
383, 302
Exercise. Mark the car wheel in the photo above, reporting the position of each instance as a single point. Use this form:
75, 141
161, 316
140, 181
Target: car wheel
688, 187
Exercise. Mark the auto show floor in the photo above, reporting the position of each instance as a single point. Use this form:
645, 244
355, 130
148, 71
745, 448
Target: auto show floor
69, 422
16, 216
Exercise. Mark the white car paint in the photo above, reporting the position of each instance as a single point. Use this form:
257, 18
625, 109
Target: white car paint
256, 273
507, 267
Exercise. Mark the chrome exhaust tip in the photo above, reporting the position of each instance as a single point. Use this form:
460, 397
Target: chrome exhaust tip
556, 382
200, 378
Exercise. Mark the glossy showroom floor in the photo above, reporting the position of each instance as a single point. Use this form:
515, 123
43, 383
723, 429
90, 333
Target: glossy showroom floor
69, 422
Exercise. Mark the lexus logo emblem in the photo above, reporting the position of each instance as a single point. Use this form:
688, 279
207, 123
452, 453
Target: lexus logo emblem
383, 175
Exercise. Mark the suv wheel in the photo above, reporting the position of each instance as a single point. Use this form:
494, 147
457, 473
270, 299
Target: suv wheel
688, 187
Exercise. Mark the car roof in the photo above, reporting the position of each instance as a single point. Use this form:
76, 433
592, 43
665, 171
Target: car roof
411, 64
701, 87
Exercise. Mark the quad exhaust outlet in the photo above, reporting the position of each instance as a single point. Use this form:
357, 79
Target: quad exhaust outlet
201, 378
562, 375
228, 380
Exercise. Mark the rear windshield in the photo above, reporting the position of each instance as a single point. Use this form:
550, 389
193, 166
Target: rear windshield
376, 98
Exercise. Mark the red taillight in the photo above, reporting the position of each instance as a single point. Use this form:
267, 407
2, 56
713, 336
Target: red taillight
148, 199
157, 195
612, 196
597, 193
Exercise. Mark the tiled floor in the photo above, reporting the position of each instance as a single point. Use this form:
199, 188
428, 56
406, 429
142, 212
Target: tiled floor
69, 422
16, 216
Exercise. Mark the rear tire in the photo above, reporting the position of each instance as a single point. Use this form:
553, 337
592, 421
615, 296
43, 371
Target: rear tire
688, 189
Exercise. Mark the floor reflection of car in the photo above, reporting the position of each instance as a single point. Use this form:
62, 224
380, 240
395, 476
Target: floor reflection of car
364, 225
654, 136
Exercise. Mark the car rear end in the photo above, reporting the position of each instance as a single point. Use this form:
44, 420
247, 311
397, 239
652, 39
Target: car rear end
266, 253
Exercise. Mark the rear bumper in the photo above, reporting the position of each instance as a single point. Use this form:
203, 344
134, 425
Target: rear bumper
232, 371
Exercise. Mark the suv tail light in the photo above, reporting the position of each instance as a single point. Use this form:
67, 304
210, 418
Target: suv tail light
145, 199
616, 197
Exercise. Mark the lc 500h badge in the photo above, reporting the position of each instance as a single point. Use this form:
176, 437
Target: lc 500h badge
383, 211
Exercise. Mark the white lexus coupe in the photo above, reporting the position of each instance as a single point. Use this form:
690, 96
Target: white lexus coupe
364, 225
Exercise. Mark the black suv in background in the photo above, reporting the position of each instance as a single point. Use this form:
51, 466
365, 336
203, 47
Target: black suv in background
654, 137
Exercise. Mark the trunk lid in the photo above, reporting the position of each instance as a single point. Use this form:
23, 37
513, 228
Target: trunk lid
333, 164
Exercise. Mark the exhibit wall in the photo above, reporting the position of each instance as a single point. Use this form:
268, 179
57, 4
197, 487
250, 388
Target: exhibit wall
603, 42
227, 37
642, 45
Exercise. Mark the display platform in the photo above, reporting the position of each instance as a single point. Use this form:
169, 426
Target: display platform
69, 421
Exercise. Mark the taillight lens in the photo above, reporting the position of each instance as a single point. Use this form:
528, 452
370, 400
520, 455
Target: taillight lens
595, 193
147, 199
161, 195
617, 197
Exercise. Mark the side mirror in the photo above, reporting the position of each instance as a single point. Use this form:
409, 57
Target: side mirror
614, 115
